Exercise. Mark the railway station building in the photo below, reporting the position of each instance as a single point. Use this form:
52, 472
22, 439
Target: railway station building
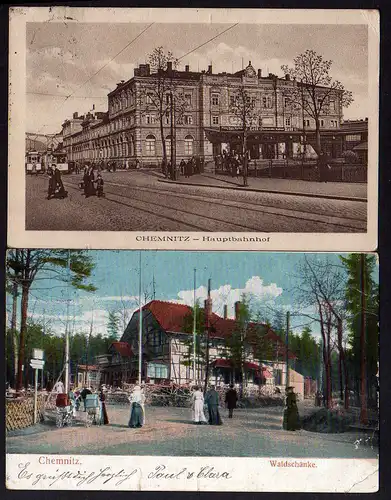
204, 124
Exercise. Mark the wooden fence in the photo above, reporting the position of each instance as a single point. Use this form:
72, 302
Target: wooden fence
19, 412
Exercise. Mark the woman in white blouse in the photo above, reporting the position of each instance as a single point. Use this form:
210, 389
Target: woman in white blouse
198, 406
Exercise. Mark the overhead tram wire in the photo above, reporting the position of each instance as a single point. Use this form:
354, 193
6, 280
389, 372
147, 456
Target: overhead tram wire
99, 70
208, 41
120, 52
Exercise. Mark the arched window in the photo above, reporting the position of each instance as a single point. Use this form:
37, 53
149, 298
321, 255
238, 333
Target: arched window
150, 145
168, 145
189, 145
131, 145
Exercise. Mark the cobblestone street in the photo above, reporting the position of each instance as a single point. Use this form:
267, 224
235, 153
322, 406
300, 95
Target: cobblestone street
139, 201
169, 431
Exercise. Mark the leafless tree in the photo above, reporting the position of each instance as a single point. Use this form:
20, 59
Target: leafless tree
243, 106
322, 289
161, 97
313, 89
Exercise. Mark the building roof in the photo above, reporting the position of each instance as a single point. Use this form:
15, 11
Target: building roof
171, 317
123, 348
363, 146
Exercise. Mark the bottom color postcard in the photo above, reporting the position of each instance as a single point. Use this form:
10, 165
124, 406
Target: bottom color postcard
192, 371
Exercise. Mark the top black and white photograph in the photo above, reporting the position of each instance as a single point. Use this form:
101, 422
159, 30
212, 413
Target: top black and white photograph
254, 124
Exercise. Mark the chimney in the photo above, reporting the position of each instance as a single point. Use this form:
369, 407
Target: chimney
187, 68
259, 73
249, 63
225, 311
271, 75
208, 307
210, 69
75, 115
93, 107
237, 310
287, 78
169, 66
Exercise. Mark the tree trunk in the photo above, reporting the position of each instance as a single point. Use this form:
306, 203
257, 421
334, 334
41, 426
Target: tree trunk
23, 332
363, 348
13, 333
163, 142
245, 182
318, 146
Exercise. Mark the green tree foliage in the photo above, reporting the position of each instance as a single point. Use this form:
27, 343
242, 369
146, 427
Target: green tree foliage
307, 352
352, 264
113, 325
188, 323
25, 266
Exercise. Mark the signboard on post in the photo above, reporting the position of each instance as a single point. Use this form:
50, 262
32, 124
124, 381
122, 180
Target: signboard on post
37, 353
37, 363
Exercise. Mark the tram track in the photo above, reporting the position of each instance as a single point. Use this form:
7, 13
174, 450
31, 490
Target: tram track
166, 210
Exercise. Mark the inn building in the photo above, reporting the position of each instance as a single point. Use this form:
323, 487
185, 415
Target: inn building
205, 124
166, 358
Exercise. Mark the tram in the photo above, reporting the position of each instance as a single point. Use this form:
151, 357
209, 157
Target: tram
33, 163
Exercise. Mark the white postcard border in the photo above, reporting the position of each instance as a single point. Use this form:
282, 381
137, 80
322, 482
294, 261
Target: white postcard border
19, 237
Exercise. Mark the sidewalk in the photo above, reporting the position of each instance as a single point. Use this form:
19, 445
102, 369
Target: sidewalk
333, 190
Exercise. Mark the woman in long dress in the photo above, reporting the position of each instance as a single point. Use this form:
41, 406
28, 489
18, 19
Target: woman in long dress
137, 400
198, 406
104, 419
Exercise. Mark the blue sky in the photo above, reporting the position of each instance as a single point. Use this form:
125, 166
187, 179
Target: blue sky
270, 280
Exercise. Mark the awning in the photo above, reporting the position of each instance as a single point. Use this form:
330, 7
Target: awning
222, 363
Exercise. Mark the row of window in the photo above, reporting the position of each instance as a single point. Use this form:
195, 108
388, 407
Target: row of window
150, 145
152, 119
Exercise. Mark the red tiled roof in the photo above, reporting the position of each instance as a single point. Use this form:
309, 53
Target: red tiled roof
91, 368
171, 317
222, 363
123, 348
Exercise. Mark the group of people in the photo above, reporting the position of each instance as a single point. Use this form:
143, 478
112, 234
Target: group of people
211, 400
187, 168
91, 185
229, 162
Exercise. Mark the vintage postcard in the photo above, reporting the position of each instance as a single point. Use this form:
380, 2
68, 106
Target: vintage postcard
192, 371
193, 129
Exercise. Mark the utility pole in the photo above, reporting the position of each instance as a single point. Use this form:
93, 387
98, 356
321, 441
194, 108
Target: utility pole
287, 348
13, 328
363, 347
173, 136
207, 305
140, 329
194, 329
67, 328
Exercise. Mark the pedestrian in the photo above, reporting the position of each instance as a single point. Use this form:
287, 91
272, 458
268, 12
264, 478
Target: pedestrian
99, 186
91, 180
86, 180
84, 393
291, 412
52, 184
323, 166
58, 182
231, 398
59, 387
197, 407
104, 419
182, 166
137, 400
168, 171
212, 400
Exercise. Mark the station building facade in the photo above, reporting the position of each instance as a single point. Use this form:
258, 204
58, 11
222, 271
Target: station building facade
206, 125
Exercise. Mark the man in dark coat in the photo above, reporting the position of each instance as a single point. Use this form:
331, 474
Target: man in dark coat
212, 400
231, 397
83, 395
58, 180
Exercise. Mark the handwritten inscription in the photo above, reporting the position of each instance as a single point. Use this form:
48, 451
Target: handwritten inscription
206, 472
108, 475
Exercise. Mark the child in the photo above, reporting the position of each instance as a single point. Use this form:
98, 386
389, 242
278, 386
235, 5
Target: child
99, 186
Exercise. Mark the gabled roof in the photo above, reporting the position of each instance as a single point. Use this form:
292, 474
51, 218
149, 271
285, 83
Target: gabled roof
171, 316
123, 348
